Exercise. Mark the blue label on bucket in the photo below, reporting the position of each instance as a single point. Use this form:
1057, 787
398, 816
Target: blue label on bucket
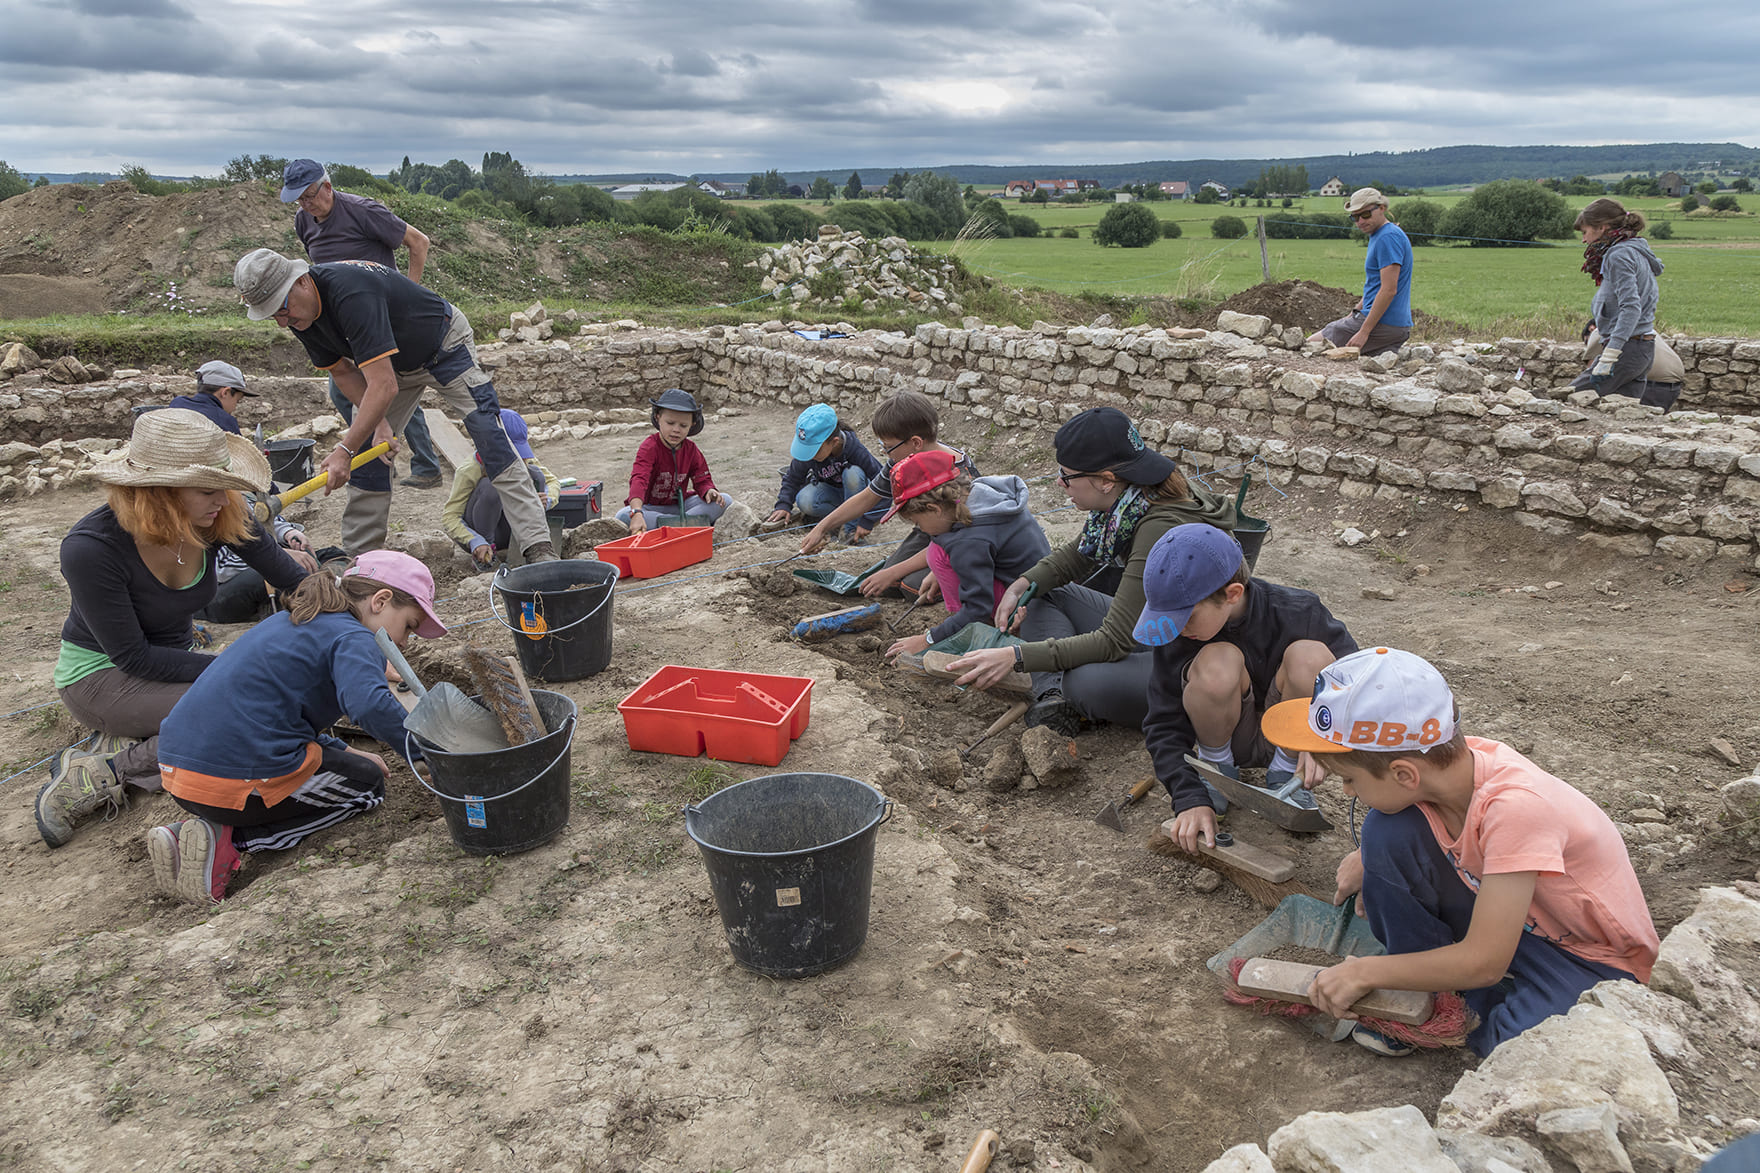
473, 810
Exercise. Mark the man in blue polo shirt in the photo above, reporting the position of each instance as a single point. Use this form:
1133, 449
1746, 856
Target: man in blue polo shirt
340, 226
1383, 321
384, 339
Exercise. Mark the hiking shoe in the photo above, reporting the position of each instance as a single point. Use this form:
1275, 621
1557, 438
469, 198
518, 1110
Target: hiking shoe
540, 552
162, 850
206, 861
81, 783
1302, 797
105, 743
1379, 1043
427, 482
1053, 712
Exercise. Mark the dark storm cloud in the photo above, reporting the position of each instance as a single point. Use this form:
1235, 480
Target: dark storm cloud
617, 85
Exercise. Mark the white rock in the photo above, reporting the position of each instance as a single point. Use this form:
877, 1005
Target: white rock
1352, 537
1589, 1137
1386, 1140
1242, 1158
1586, 1057
1475, 1152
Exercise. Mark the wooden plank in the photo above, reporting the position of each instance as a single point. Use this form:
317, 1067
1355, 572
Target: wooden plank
1255, 861
453, 444
1015, 683
1290, 981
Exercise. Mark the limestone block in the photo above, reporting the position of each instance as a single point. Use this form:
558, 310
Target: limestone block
1246, 325
1462, 405
1552, 497
1503, 493
1303, 385
1386, 1140
1686, 549
1586, 1057
1242, 1158
1393, 473
1405, 398
1520, 438
1610, 513
1666, 1023
1716, 458
17, 358
1474, 1152
1627, 545
1458, 378
1725, 523
1453, 480
1588, 1137
1620, 448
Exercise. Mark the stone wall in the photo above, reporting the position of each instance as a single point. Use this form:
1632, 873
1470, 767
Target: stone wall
1474, 422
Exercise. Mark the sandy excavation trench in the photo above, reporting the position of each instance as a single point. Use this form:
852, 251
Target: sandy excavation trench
378, 1000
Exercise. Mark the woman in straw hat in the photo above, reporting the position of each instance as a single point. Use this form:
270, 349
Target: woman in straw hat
139, 568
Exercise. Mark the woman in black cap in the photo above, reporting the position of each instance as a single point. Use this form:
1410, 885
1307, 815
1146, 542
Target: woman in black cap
1084, 661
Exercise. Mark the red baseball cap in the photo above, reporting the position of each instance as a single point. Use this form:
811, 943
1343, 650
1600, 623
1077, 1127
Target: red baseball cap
915, 475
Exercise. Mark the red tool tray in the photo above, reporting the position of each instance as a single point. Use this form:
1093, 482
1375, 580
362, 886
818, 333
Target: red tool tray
654, 552
731, 716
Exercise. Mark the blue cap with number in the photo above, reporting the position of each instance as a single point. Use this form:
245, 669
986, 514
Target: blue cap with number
1188, 564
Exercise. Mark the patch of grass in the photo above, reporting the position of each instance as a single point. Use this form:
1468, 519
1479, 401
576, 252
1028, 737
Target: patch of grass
706, 779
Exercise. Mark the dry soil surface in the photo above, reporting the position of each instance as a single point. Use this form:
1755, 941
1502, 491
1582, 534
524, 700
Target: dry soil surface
378, 999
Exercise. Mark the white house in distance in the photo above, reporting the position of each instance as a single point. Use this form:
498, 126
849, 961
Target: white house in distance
1220, 189
1332, 187
725, 191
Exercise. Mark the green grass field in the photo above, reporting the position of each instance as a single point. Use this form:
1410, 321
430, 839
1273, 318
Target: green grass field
1523, 292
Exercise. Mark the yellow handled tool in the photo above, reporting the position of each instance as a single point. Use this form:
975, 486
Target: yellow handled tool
266, 506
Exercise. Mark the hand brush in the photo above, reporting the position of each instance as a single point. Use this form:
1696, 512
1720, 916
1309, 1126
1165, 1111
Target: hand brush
504, 693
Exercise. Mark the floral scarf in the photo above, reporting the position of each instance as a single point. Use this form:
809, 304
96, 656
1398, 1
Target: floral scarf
1106, 537
1595, 253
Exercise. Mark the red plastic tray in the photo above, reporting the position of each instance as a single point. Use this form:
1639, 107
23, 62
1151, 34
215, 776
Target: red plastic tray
731, 716
654, 552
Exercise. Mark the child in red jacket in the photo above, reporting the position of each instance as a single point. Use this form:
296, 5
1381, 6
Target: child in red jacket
666, 463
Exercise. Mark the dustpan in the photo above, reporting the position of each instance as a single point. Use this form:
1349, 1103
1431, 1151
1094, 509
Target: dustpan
1307, 923
974, 636
444, 716
838, 582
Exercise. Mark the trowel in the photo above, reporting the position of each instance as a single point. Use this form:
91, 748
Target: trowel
1264, 803
1108, 816
444, 717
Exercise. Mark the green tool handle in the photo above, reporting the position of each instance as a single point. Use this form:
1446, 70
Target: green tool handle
1026, 597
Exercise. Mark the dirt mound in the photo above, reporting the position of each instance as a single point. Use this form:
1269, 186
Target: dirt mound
26, 295
1306, 304
141, 251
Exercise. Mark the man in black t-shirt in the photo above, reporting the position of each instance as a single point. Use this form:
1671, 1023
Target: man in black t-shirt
384, 338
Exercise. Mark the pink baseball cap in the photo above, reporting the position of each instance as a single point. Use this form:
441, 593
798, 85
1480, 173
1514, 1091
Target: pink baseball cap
397, 569
1379, 699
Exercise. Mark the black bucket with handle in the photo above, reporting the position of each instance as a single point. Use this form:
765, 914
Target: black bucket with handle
791, 862
290, 461
506, 801
560, 616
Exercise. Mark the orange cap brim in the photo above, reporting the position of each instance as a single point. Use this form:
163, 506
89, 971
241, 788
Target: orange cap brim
1285, 724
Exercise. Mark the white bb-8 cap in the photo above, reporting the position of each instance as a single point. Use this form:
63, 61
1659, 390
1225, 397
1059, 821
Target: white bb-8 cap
1380, 699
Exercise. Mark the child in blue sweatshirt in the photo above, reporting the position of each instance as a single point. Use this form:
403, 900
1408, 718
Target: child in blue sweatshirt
981, 538
242, 752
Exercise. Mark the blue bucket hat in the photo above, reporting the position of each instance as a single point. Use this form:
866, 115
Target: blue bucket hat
297, 176
1187, 565
811, 429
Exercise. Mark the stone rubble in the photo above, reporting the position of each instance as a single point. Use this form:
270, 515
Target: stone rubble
878, 275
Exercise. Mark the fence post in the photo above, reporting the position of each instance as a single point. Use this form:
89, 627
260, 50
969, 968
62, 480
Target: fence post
1264, 258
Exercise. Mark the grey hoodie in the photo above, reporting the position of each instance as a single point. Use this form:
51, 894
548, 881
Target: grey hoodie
1625, 301
1003, 542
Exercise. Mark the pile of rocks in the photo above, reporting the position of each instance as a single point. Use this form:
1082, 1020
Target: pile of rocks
17, 359
881, 275
534, 324
26, 470
1590, 1089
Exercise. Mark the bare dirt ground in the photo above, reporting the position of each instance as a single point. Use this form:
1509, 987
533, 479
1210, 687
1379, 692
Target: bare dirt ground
378, 999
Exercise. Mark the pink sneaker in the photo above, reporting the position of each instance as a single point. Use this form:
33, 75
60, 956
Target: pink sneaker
162, 850
206, 861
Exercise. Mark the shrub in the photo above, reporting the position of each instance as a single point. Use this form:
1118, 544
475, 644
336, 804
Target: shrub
1708, 187
1689, 205
1661, 230
1308, 226
1023, 225
1725, 203
1419, 218
1508, 211
11, 182
1170, 229
1070, 234
1288, 203
1228, 227
1128, 226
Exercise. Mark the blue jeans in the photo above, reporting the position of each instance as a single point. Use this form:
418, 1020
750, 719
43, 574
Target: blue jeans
376, 476
1415, 900
818, 499
694, 506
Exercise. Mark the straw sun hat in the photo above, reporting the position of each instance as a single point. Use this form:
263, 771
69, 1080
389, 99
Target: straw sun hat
184, 449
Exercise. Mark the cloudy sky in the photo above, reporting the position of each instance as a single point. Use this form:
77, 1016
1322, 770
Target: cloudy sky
666, 85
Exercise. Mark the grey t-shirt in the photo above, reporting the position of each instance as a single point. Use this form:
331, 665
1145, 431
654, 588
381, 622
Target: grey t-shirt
357, 229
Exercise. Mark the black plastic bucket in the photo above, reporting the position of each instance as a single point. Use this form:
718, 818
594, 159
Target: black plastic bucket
560, 616
791, 862
290, 461
1249, 531
509, 800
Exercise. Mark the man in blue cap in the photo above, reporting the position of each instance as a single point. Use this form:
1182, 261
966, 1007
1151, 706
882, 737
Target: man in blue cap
340, 226
1226, 648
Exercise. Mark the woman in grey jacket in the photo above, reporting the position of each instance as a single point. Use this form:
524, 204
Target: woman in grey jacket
1624, 308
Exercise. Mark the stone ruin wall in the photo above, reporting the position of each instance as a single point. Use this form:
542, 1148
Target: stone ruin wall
1486, 424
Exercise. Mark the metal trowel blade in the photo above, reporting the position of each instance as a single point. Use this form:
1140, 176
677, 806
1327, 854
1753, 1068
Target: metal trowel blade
1108, 817
1263, 803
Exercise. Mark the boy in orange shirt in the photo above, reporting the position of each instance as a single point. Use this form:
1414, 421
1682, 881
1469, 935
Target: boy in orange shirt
1479, 871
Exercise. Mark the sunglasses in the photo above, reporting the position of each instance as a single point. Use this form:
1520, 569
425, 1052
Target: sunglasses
1364, 215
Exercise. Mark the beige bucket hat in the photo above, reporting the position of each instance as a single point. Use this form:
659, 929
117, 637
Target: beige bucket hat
183, 449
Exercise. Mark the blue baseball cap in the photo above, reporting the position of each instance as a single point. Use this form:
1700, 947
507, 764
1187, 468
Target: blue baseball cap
811, 429
297, 176
1188, 564
514, 424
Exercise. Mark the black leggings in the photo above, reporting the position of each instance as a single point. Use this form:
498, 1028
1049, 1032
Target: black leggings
345, 784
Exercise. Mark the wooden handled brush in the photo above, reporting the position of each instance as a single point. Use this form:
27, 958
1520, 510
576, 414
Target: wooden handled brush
505, 693
1263, 875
